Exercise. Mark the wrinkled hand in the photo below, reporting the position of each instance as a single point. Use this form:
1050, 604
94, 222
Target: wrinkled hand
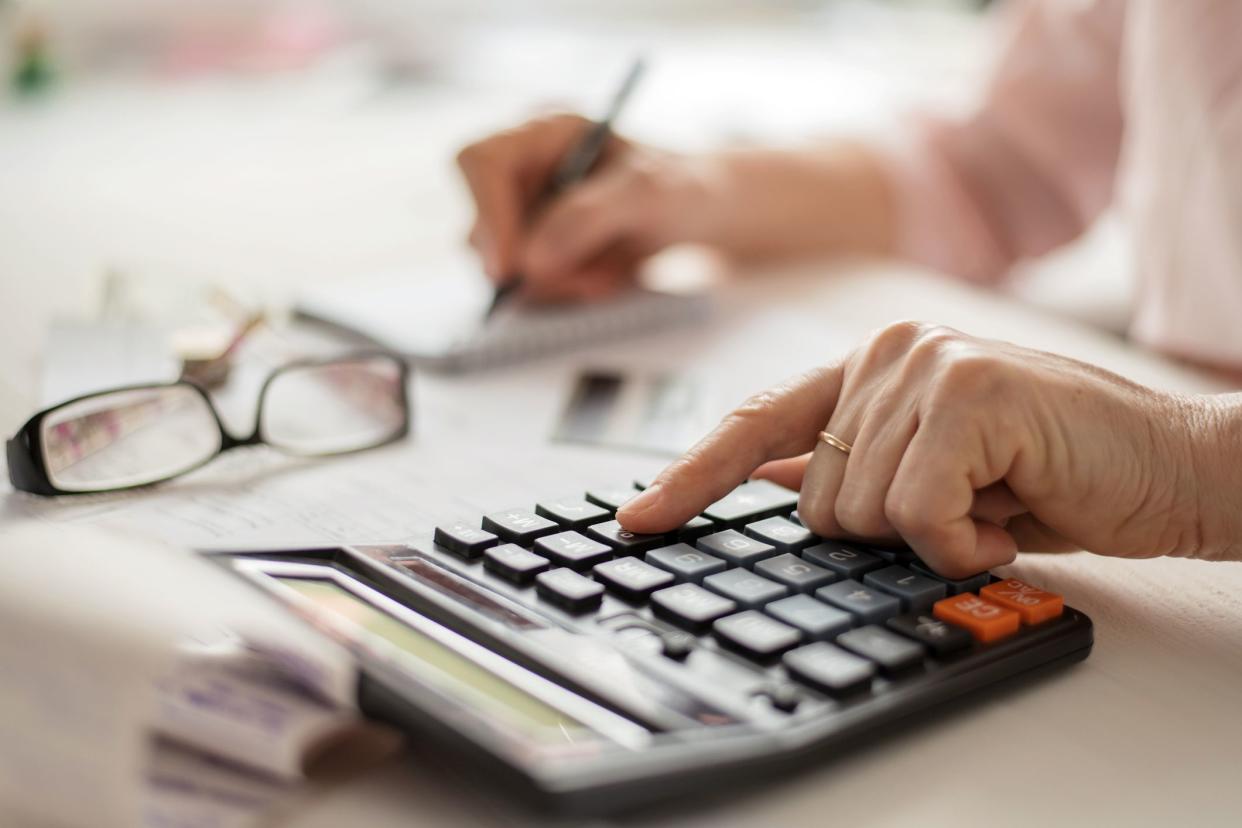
966, 449
586, 242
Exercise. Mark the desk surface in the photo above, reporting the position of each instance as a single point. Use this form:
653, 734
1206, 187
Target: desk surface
1144, 732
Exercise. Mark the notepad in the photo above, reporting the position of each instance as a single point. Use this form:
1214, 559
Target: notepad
438, 321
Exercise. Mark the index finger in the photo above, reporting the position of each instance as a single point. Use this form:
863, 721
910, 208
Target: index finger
782, 422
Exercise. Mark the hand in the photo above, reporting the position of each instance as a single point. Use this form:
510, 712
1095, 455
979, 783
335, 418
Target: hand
969, 450
589, 241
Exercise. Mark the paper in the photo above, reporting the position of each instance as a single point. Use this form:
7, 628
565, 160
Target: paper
108, 642
440, 323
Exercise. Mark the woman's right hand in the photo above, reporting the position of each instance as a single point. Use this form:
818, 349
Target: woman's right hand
586, 242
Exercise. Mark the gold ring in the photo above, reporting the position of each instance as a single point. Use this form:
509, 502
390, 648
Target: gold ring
835, 441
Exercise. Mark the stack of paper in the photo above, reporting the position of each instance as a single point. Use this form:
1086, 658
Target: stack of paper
145, 687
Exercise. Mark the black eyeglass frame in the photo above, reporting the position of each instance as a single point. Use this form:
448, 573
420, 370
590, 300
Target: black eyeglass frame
24, 450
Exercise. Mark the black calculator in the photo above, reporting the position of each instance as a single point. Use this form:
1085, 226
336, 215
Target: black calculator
593, 670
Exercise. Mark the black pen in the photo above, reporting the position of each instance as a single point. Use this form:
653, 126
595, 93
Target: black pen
577, 164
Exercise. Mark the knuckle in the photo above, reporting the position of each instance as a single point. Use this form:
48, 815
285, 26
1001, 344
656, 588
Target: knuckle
905, 513
970, 370
815, 517
856, 515
755, 407
898, 336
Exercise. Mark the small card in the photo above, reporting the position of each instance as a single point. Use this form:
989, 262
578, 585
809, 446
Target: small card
659, 413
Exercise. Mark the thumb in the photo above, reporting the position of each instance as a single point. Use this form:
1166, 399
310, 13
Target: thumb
787, 472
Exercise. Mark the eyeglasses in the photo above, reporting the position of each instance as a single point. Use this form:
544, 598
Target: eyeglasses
145, 434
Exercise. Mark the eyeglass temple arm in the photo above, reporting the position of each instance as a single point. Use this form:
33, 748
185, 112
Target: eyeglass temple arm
24, 472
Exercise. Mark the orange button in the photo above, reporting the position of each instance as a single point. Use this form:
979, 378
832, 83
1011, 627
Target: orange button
1032, 603
985, 620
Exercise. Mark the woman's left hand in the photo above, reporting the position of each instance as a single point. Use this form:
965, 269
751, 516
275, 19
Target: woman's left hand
969, 450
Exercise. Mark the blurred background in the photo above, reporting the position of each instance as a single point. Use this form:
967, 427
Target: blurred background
153, 150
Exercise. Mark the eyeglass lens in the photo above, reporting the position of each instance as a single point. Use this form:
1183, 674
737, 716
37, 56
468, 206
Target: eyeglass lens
127, 438
347, 405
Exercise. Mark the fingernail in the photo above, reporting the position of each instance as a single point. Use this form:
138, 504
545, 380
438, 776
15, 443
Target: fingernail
641, 502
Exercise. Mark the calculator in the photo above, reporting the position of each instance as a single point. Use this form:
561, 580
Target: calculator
590, 670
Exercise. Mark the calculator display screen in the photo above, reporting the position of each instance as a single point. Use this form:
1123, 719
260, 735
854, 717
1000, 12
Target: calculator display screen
503, 704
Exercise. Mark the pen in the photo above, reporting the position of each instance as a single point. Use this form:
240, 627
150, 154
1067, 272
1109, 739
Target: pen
577, 164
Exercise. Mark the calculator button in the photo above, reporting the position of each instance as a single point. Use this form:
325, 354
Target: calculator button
568, 590
829, 668
816, 620
695, 528
572, 550
631, 578
519, 526
625, 542
901, 555
513, 562
894, 653
752, 501
735, 547
1033, 604
956, 587
941, 638
611, 499
756, 635
795, 573
464, 539
846, 561
749, 590
571, 513
986, 621
917, 592
690, 606
867, 605
782, 533
686, 562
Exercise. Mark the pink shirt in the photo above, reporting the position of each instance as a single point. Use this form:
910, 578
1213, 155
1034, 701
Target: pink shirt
1094, 102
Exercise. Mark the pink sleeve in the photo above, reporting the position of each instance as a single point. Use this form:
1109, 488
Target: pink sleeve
1034, 164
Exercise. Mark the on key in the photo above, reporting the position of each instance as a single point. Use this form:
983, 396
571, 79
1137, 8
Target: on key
519, 526
624, 541
568, 590
572, 513
631, 578
572, 550
690, 606
464, 539
755, 634
782, 533
735, 548
514, 563
1032, 603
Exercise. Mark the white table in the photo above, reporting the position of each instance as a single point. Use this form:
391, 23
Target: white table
1146, 731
